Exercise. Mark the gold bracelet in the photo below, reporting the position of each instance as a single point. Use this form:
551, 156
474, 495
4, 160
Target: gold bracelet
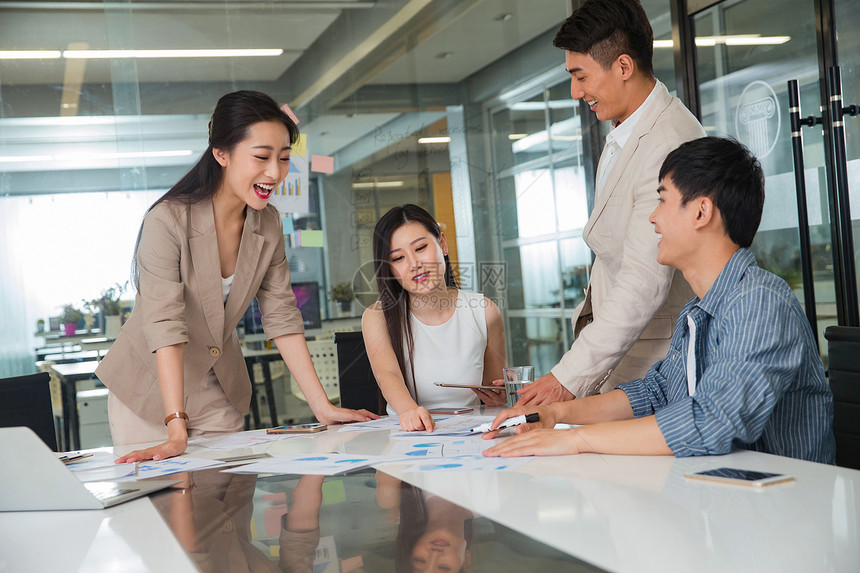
175, 415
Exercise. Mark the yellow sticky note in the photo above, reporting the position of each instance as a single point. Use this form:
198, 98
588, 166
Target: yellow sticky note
311, 238
300, 147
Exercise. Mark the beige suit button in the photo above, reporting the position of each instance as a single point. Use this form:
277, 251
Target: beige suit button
214, 352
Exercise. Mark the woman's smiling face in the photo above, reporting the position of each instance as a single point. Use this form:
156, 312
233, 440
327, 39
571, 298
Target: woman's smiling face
417, 258
257, 165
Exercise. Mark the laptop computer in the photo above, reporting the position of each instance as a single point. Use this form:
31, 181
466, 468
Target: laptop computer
33, 479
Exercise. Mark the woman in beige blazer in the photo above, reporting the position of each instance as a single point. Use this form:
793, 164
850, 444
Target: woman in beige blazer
205, 250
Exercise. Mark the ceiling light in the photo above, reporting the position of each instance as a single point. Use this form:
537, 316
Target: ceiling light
29, 54
504, 17
444, 139
377, 184
96, 156
516, 136
765, 41
117, 54
739, 40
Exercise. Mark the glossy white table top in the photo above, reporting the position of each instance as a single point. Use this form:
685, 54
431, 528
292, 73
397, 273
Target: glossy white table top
620, 513
128, 538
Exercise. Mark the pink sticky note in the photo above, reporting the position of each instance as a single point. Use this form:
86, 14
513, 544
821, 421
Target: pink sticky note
276, 498
272, 519
322, 164
287, 110
351, 564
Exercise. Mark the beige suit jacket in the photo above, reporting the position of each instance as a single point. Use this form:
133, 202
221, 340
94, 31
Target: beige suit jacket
632, 302
180, 301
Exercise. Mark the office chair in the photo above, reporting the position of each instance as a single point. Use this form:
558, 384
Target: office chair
843, 343
358, 388
26, 401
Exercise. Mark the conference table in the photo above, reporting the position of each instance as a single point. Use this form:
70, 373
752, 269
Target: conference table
568, 513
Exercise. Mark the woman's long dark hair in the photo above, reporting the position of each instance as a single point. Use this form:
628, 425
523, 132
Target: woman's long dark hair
392, 296
234, 114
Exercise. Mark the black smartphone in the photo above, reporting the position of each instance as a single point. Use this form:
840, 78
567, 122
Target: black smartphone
740, 477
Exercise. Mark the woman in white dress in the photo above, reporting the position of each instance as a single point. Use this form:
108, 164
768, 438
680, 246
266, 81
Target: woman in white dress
423, 329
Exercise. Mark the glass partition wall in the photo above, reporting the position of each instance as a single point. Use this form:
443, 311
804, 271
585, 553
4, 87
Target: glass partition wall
103, 107
461, 107
746, 52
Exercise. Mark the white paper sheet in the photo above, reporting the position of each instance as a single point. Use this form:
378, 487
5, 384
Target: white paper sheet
169, 466
242, 440
384, 423
439, 447
308, 464
448, 426
468, 463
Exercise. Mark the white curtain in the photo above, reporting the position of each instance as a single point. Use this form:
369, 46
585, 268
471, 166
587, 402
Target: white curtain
60, 249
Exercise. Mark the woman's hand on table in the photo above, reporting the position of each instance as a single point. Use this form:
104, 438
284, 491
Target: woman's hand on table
172, 447
335, 415
416, 419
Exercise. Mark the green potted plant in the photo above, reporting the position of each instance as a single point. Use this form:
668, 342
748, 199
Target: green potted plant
70, 317
109, 308
342, 294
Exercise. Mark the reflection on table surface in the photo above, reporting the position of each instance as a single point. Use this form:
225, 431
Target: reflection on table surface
365, 521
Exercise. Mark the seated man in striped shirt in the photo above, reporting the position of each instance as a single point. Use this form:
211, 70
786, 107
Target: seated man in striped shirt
742, 369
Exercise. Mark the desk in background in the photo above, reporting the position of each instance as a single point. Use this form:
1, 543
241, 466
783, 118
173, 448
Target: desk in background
70, 375
615, 513
80, 356
263, 357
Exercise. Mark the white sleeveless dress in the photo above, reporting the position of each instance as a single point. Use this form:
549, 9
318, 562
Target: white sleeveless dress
451, 352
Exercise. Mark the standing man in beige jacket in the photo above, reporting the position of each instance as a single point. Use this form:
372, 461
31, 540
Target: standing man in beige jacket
632, 302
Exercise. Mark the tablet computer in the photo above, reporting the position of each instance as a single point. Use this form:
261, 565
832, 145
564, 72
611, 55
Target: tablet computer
447, 385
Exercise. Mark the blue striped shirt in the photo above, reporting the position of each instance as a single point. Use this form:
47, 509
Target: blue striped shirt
760, 385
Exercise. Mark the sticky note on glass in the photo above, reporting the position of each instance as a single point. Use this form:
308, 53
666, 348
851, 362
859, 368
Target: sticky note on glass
333, 492
351, 564
322, 164
300, 147
288, 225
311, 238
287, 110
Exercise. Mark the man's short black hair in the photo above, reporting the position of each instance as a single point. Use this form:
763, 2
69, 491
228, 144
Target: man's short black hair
605, 29
726, 172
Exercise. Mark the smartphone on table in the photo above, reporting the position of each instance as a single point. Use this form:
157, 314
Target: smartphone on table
738, 476
449, 410
297, 429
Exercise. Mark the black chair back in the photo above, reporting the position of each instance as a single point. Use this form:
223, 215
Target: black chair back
358, 388
843, 344
26, 401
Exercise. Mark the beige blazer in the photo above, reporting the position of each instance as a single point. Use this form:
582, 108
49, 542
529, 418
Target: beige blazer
632, 302
180, 301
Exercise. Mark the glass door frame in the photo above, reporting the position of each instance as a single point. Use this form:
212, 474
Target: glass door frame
683, 12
